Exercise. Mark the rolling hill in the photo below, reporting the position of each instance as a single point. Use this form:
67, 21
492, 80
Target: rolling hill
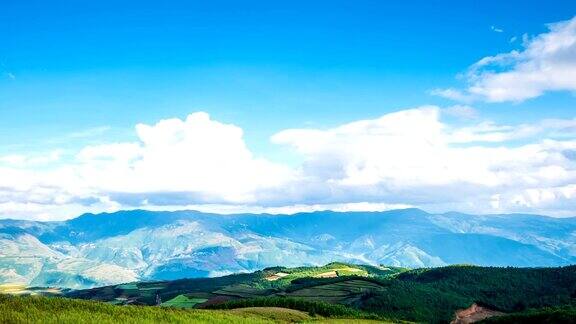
341, 290
60, 310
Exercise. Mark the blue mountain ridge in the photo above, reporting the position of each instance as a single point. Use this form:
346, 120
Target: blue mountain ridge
109, 248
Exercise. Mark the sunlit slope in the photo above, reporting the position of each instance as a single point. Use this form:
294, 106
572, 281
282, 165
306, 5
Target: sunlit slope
29, 309
422, 295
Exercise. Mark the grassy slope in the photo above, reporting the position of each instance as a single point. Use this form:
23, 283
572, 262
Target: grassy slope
37, 309
61, 310
430, 295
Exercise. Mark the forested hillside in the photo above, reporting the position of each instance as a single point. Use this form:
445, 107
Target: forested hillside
339, 289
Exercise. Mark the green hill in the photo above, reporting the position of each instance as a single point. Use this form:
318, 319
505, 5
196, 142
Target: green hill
435, 294
563, 314
362, 292
15, 309
38, 309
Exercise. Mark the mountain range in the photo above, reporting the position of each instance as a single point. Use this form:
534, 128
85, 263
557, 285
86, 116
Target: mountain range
127, 246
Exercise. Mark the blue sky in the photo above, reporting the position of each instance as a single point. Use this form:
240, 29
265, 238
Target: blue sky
79, 73
262, 66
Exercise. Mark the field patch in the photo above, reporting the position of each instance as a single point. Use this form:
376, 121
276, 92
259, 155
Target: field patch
328, 274
276, 314
276, 276
351, 272
345, 292
183, 301
241, 290
128, 286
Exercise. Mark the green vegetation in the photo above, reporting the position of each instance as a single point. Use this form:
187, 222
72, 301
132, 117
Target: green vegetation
182, 301
339, 268
351, 272
275, 314
37, 309
364, 292
434, 295
311, 307
552, 315
251, 285
347, 291
62, 310
128, 286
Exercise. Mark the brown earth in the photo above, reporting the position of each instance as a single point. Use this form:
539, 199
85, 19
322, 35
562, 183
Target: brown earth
473, 314
329, 274
276, 276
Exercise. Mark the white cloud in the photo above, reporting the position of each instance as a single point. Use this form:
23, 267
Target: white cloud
21, 160
412, 157
123, 152
461, 111
197, 157
175, 161
408, 158
547, 63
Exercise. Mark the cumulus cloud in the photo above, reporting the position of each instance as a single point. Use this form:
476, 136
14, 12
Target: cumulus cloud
196, 157
196, 160
546, 63
413, 157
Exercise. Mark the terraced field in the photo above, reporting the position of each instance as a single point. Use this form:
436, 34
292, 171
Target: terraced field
345, 292
336, 269
242, 291
198, 293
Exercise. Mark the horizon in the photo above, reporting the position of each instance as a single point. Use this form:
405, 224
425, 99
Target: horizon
284, 108
265, 213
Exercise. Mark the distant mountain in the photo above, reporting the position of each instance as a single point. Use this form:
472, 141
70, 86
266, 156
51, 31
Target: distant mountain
94, 250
